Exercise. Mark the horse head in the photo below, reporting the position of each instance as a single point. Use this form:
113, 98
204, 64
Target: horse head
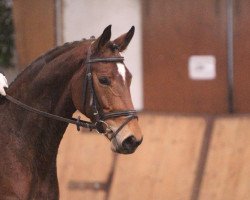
101, 91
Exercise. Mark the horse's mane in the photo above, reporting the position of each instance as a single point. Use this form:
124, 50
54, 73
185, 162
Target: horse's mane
45, 58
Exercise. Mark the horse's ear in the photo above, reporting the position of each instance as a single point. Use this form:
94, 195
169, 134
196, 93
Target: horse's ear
102, 40
123, 41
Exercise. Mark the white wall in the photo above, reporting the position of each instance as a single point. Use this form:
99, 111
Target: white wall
84, 18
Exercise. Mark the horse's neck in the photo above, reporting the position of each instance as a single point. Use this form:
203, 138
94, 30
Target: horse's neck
47, 91
48, 88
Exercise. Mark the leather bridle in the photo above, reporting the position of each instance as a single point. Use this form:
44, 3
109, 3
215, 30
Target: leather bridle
99, 116
98, 113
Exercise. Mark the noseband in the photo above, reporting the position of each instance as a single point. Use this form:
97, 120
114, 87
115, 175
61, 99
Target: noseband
100, 117
98, 113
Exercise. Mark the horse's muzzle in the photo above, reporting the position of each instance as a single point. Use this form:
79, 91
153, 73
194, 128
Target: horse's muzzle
127, 146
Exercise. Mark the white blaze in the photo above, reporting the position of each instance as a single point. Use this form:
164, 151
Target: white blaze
122, 70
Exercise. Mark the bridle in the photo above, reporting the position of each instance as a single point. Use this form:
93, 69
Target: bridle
99, 124
100, 116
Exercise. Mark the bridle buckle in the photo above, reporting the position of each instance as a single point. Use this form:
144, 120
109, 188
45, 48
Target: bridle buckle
107, 128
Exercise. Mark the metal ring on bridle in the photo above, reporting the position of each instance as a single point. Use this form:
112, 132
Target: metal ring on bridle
107, 127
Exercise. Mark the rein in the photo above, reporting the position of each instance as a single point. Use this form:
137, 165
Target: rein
100, 117
78, 122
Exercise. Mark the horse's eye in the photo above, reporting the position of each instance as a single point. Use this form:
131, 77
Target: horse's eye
104, 80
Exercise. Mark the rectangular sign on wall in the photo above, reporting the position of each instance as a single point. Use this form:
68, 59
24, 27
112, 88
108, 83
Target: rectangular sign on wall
202, 67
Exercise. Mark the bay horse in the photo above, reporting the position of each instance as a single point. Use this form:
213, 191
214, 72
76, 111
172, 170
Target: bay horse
89, 76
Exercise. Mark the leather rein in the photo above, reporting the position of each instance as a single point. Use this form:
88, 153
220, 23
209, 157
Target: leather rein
99, 124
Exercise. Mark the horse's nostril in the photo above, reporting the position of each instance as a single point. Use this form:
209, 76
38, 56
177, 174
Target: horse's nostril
140, 141
130, 143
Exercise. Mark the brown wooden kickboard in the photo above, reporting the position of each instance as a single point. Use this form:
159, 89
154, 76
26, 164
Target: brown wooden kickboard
227, 174
164, 165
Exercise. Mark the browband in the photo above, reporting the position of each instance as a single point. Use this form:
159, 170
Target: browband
110, 59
